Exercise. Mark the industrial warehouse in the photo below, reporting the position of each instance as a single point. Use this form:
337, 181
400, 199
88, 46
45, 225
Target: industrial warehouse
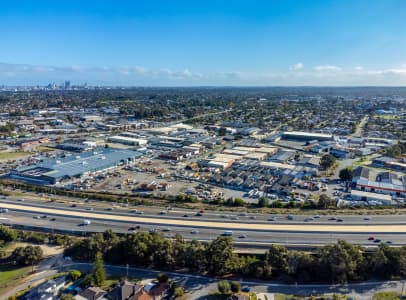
54, 170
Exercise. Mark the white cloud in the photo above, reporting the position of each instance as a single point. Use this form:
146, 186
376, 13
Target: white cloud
297, 66
22, 74
327, 68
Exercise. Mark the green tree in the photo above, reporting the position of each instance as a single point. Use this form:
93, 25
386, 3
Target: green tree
395, 150
195, 256
222, 131
238, 202
300, 266
326, 201
235, 286
179, 292
341, 262
327, 161
346, 174
75, 274
27, 256
7, 234
99, 274
263, 201
162, 277
87, 281
223, 287
277, 257
66, 297
221, 258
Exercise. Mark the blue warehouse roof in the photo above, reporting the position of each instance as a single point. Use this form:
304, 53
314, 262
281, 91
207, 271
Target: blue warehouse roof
76, 165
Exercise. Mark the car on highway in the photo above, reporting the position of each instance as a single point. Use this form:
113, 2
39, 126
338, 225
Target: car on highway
162, 212
377, 241
166, 229
388, 242
246, 289
253, 217
73, 205
317, 216
290, 217
109, 209
3, 210
194, 232
371, 238
90, 208
367, 219
52, 219
272, 219
131, 229
332, 219
37, 217
243, 214
185, 215
86, 222
44, 216
340, 220
198, 214
242, 236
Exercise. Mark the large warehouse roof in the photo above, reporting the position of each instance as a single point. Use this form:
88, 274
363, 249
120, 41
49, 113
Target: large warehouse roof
76, 165
314, 135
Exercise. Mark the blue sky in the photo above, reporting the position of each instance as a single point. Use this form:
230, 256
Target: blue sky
286, 42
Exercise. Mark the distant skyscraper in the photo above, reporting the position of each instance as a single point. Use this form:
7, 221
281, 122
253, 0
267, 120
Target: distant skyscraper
67, 84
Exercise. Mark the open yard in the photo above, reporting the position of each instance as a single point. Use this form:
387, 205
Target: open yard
12, 155
10, 274
48, 250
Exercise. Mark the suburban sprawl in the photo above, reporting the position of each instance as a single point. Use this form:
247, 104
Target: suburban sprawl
201, 193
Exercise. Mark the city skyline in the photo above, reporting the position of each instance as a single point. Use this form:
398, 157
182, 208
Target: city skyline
264, 43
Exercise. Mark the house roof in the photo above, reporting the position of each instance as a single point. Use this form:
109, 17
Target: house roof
361, 172
126, 290
93, 293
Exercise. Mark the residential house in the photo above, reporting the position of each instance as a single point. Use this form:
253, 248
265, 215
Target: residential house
92, 293
47, 290
126, 290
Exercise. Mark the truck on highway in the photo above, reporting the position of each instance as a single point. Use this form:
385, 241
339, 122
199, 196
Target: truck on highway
86, 222
228, 233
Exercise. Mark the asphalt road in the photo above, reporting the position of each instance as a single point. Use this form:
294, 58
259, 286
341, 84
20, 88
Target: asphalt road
252, 235
199, 287
177, 213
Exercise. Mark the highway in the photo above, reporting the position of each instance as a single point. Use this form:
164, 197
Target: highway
247, 232
223, 216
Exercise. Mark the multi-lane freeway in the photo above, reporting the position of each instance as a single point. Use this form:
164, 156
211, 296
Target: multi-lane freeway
251, 230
